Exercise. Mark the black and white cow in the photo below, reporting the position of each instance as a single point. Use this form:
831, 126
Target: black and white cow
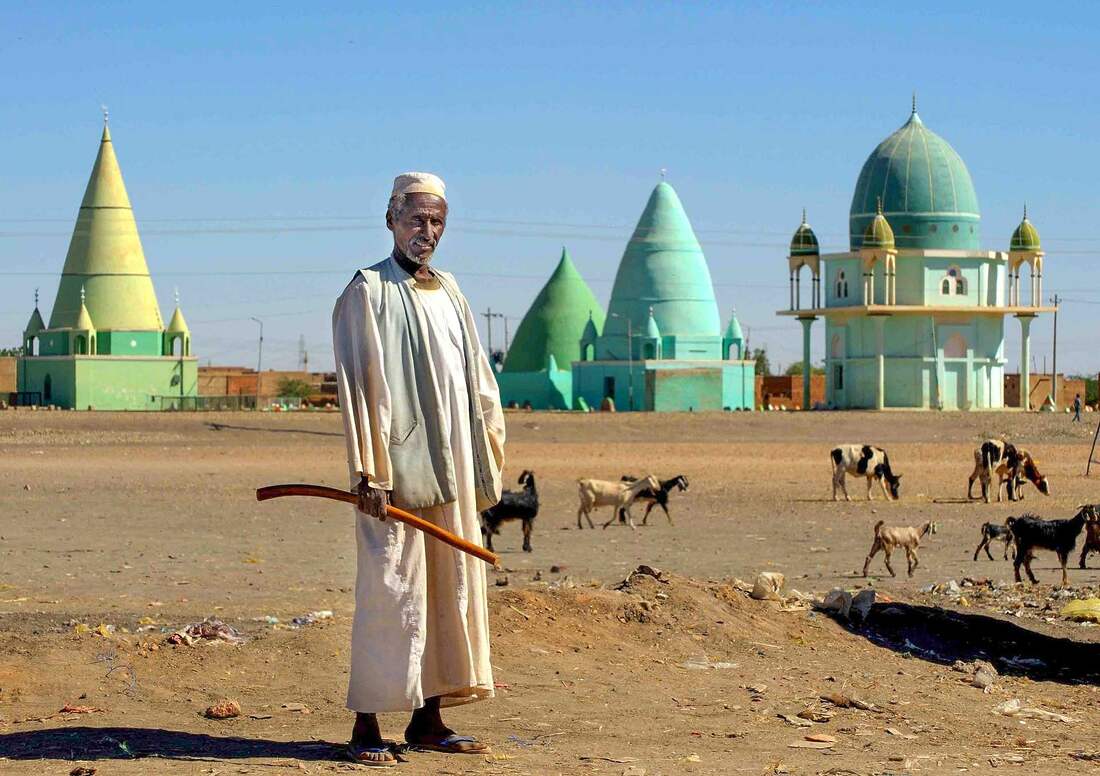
866, 461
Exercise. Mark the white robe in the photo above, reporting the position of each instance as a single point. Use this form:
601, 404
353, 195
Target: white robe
421, 625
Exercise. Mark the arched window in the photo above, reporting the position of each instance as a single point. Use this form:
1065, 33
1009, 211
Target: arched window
953, 284
841, 285
587, 351
650, 350
81, 348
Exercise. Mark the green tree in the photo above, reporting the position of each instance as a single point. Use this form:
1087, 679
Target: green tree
763, 366
11, 351
796, 369
298, 389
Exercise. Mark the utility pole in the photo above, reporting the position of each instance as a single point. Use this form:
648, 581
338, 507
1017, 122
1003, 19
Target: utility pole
1055, 300
489, 315
259, 359
303, 354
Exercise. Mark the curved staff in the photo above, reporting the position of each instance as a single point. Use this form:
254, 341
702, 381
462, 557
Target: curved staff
433, 530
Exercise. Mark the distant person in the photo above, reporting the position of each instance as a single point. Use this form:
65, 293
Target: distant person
425, 432
1077, 408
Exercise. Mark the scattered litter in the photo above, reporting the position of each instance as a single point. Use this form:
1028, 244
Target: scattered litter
312, 617
798, 722
300, 708
69, 708
1082, 610
259, 716
701, 663
643, 570
839, 601
1087, 756
209, 631
633, 770
895, 732
849, 702
816, 715
767, 586
810, 745
83, 770
821, 738
1013, 708
862, 603
225, 709
693, 758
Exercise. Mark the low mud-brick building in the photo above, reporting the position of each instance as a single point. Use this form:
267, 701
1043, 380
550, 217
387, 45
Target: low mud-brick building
915, 309
106, 346
663, 347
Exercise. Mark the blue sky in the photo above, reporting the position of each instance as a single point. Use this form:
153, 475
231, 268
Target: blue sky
258, 143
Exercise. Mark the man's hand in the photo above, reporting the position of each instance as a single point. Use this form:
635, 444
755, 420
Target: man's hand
372, 501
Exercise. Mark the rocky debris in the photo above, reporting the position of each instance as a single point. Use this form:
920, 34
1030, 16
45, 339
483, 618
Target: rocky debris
1080, 605
855, 607
83, 770
643, 570
982, 673
224, 709
209, 631
767, 586
845, 701
1014, 708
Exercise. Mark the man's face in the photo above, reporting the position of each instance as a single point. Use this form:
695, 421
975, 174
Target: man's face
419, 226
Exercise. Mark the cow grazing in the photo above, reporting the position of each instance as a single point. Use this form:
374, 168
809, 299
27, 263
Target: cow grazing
889, 539
1032, 533
1012, 465
867, 461
520, 505
991, 532
607, 493
656, 498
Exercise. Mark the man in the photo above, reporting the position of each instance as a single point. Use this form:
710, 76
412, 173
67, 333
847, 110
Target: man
1077, 408
425, 432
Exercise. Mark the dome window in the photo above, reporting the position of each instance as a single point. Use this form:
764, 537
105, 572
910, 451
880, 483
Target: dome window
953, 284
955, 228
933, 229
841, 285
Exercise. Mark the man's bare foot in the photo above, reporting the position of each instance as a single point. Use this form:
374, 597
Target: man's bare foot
367, 746
427, 731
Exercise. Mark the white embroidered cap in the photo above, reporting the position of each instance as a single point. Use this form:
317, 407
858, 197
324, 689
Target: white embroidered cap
418, 183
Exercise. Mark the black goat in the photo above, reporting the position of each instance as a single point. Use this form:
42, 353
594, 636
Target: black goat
992, 532
1031, 533
514, 505
656, 498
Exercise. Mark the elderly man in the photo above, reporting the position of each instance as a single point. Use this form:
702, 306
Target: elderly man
425, 432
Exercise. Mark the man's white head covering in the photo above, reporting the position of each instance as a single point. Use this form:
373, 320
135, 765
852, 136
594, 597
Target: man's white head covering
418, 183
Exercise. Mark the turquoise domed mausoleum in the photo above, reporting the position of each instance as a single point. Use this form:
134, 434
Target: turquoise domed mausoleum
915, 309
662, 346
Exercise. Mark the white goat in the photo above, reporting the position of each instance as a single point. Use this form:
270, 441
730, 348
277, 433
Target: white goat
608, 493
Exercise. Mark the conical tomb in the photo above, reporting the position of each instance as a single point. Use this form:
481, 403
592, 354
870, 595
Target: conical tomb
555, 322
105, 257
663, 268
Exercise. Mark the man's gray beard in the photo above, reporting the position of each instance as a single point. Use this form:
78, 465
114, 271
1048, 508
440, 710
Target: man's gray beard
424, 260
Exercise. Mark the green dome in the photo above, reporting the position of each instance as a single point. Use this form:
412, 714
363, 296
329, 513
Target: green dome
804, 242
555, 323
178, 325
663, 267
652, 330
733, 331
878, 233
35, 324
1026, 236
925, 188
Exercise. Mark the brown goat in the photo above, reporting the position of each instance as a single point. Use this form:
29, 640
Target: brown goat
889, 539
1092, 531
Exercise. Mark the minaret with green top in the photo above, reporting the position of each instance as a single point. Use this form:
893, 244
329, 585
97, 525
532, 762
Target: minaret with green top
106, 346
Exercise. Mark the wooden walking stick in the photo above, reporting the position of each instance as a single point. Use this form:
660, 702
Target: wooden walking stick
433, 530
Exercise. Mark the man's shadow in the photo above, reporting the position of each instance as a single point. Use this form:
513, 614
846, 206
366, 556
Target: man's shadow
127, 743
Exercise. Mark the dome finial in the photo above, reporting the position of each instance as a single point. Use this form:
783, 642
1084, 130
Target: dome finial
82, 293
1025, 211
106, 114
36, 299
914, 101
878, 206
664, 173
803, 216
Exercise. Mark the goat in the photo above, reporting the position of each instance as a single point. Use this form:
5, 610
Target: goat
1011, 464
522, 505
1031, 533
992, 532
870, 462
656, 498
602, 493
889, 539
1092, 531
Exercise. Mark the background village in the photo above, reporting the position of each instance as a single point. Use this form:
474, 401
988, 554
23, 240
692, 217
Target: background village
880, 561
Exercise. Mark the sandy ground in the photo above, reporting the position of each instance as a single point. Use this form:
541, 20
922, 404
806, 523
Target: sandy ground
148, 522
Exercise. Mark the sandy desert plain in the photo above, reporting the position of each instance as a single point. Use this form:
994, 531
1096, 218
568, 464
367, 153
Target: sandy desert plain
145, 523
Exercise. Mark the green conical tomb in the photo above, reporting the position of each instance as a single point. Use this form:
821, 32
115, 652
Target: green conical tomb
662, 268
554, 324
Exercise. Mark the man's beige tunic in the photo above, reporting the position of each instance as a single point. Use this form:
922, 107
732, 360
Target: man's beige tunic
421, 619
